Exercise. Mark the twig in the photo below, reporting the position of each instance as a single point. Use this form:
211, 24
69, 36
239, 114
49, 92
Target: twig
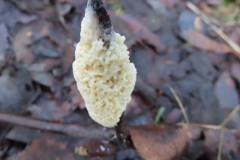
180, 105
122, 132
206, 126
229, 41
233, 113
221, 138
68, 129
220, 127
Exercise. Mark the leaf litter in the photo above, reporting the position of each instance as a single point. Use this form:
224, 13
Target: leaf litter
170, 46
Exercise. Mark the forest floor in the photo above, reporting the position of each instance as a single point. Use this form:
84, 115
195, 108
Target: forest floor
185, 104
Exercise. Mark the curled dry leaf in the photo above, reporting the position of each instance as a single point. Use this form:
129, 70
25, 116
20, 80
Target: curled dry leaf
155, 142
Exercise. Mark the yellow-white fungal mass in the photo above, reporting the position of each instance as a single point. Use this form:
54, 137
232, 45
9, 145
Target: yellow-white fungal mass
104, 75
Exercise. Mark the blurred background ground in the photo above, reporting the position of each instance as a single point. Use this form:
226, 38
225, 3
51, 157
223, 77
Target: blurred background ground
170, 46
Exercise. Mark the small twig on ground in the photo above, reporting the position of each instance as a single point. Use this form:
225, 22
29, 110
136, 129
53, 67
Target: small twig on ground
233, 113
122, 132
220, 127
68, 129
235, 47
221, 138
215, 127
205, 126
180, 105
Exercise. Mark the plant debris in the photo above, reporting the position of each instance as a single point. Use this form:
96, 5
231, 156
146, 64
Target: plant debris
190, 47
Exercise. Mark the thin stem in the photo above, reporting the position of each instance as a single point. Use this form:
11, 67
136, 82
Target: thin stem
68, 129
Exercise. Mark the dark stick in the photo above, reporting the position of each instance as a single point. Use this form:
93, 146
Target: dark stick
122, 132
68, 129
104, 21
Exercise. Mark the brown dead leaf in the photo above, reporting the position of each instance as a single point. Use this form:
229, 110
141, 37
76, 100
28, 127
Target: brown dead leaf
67, 57
136, 31
159, 142
200, 41
22, 39
48, 149
20, 42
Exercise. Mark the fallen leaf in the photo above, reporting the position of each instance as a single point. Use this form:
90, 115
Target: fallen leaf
23, 39
8, 10
233, 31
212, 139
174, 116
48, 111
161, 142
63, 8
44, 78
186, 21
153, 17
15, 91
156, 6
68, 57
24, 135
57, 34
50, 53
170, 3
30, 6
10, 96
48, 149
45, 65
203, 66
136, 31
76, 98
20, 42
128, 154
189, 30
214, 2
13, 157
235, 71
4, 41
226, 92
200, 41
